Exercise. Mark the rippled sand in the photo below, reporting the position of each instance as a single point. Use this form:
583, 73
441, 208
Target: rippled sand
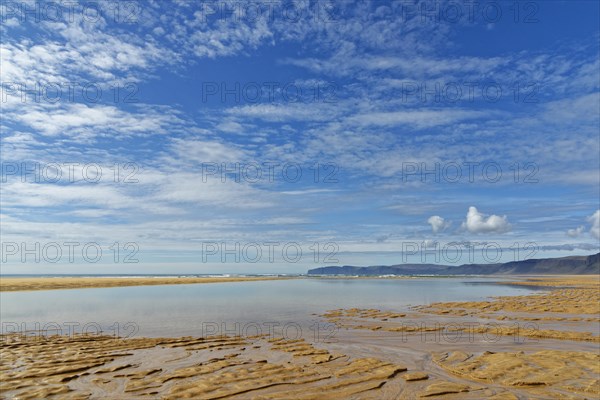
212, 368
541, 346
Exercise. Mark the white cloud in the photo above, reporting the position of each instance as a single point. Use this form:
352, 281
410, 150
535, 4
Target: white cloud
477, 222
346, 63
419, 118
82, 120
284, 112
438, 224
227, 39
230, 127
80, 53
430, 244
575, 232
204, 151
594, 219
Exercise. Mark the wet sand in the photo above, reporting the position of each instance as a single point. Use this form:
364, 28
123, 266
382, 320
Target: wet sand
498, 349
9, 284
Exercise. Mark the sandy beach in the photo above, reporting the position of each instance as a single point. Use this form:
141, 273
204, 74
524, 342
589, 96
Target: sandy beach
539, 346
22, 284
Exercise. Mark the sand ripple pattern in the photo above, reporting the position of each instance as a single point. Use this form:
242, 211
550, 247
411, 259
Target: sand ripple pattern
82, 367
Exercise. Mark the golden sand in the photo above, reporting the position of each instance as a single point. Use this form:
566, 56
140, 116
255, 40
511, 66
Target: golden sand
22, 284
565, 301
415, 376
81, 367
545, 373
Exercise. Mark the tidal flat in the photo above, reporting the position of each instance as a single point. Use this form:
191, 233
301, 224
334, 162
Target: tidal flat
477, 338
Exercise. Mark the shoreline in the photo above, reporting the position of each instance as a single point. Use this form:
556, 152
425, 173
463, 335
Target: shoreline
20, 284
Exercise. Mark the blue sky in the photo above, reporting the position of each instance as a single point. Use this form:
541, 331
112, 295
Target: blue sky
371, 94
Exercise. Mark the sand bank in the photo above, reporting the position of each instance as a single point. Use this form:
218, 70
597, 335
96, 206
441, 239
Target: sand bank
22, 284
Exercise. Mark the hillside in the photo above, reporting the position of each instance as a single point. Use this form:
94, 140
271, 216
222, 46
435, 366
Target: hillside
573, 265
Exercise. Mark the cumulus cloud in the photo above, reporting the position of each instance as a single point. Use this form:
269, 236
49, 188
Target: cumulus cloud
575, 232
430, 244
477, 222
438, 224
594, 219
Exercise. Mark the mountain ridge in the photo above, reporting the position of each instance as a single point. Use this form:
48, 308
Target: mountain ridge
570, 265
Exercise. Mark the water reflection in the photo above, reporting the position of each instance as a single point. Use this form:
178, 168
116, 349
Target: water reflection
177, 310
